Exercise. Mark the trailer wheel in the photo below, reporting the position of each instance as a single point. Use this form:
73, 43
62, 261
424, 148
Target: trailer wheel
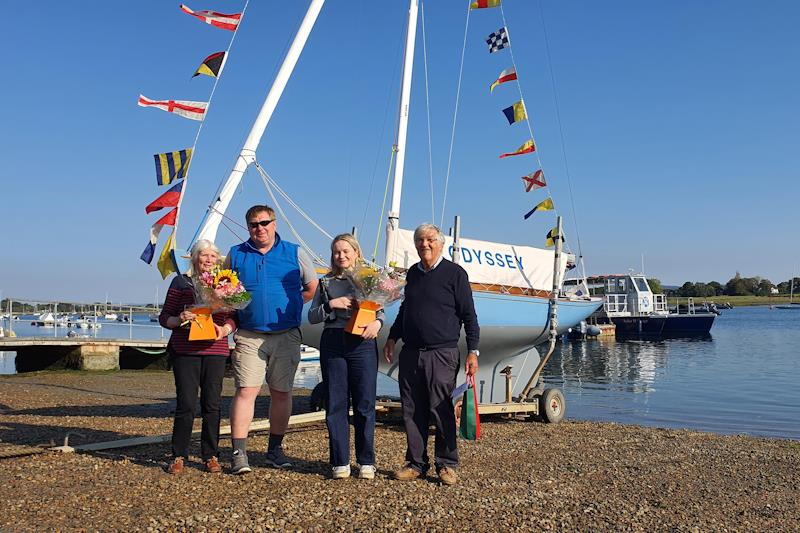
552, 406
317, 399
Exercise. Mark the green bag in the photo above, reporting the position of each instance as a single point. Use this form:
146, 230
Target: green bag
470, 428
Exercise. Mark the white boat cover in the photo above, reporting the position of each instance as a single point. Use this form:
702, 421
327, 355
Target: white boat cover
491, 263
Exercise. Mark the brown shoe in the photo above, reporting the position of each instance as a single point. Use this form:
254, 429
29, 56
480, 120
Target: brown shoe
213, 466
407, 474
176, 466
448, 476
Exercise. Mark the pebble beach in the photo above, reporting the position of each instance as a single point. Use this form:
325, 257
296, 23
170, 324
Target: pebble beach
521, 475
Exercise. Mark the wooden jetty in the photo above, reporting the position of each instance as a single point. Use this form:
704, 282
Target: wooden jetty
39, 353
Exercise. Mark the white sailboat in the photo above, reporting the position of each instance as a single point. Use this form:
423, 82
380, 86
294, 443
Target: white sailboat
111, 316
791, 305
513, 290
154, 316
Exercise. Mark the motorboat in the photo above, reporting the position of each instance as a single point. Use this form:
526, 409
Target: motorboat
635, 311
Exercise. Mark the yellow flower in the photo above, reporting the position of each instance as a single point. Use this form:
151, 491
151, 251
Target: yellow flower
226, 277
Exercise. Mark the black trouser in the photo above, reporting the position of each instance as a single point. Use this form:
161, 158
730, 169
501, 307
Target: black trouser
427, 379
191, 372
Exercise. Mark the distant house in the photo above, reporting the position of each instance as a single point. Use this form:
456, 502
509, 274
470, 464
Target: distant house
774, 290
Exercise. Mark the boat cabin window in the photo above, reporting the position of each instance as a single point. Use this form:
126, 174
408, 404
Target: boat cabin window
641, 284
617, 286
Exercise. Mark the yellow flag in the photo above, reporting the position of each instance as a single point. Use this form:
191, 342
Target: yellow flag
515, 113
552, 235
544, 205
166, 264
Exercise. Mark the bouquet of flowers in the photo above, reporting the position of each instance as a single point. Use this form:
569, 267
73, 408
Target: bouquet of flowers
215, 291
221, 290
379, 285
375, 288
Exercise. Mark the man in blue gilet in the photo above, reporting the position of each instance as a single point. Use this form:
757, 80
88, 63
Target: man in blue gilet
280, 276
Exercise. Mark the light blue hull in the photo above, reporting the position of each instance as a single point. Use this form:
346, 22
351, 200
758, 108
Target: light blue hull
511, 327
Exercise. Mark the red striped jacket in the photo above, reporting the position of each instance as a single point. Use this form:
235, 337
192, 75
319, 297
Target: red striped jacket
179, 296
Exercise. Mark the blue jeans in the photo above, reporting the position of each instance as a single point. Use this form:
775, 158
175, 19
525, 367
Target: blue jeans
350, 371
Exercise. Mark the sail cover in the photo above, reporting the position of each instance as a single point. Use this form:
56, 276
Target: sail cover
490, 263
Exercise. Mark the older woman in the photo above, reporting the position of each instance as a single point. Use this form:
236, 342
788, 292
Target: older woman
198, 363
349, 363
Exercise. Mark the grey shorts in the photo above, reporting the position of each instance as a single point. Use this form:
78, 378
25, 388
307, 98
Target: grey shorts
271, 356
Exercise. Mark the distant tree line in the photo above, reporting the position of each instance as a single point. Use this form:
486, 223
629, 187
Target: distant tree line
736, 286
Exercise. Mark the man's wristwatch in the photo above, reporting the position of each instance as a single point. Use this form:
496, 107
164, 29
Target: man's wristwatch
476, 352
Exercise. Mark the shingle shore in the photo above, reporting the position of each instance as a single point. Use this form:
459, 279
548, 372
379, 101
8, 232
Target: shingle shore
573, 476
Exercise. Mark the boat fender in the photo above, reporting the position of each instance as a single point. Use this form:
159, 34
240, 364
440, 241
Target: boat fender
593, 331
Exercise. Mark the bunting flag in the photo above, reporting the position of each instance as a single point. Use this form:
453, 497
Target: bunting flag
483, 4
552, 235
509, 74
183, 108
497, 40
150, 249
168, 219
544, 205
515, 113
168, 199
526, 148
212, 65
166, 261
534, 181
172, 166
218, 20
155, 230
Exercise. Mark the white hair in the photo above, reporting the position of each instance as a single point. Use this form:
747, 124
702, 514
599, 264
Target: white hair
424, 228
201, 246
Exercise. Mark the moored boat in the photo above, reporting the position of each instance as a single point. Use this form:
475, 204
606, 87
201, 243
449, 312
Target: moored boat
792, 305
635, 311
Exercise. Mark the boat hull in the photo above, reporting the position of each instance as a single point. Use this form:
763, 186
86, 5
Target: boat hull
511, 328
672, 325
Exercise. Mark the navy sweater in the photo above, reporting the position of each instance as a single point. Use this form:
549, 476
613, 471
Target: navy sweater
436, 305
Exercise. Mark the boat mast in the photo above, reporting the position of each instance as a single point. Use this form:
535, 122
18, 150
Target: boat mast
213, 217
402, 131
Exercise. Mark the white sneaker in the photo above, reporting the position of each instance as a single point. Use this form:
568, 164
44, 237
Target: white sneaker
341, 472
366, 472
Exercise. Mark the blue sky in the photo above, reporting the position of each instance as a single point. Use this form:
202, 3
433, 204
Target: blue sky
680, 119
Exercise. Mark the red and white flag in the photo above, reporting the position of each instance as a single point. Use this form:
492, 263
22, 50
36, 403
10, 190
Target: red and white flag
219, 20
509, 74
184, 108
534, 181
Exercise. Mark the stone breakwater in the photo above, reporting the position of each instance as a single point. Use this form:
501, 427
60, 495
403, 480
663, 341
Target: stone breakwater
573, 476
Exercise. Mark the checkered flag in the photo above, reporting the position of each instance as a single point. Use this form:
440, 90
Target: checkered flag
498, 40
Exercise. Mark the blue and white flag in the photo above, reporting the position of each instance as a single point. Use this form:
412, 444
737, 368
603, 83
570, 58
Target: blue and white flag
498, 40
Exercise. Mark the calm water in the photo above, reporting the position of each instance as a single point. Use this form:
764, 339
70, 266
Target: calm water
141, 328
744, 378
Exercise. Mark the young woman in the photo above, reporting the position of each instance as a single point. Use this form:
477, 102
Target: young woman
349, 363
195, 364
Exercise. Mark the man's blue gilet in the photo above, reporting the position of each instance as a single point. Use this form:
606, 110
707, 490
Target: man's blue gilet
273, 280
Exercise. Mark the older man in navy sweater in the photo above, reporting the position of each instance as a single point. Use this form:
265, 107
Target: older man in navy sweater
438, 301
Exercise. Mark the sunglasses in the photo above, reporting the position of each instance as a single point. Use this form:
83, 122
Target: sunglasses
264, 223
